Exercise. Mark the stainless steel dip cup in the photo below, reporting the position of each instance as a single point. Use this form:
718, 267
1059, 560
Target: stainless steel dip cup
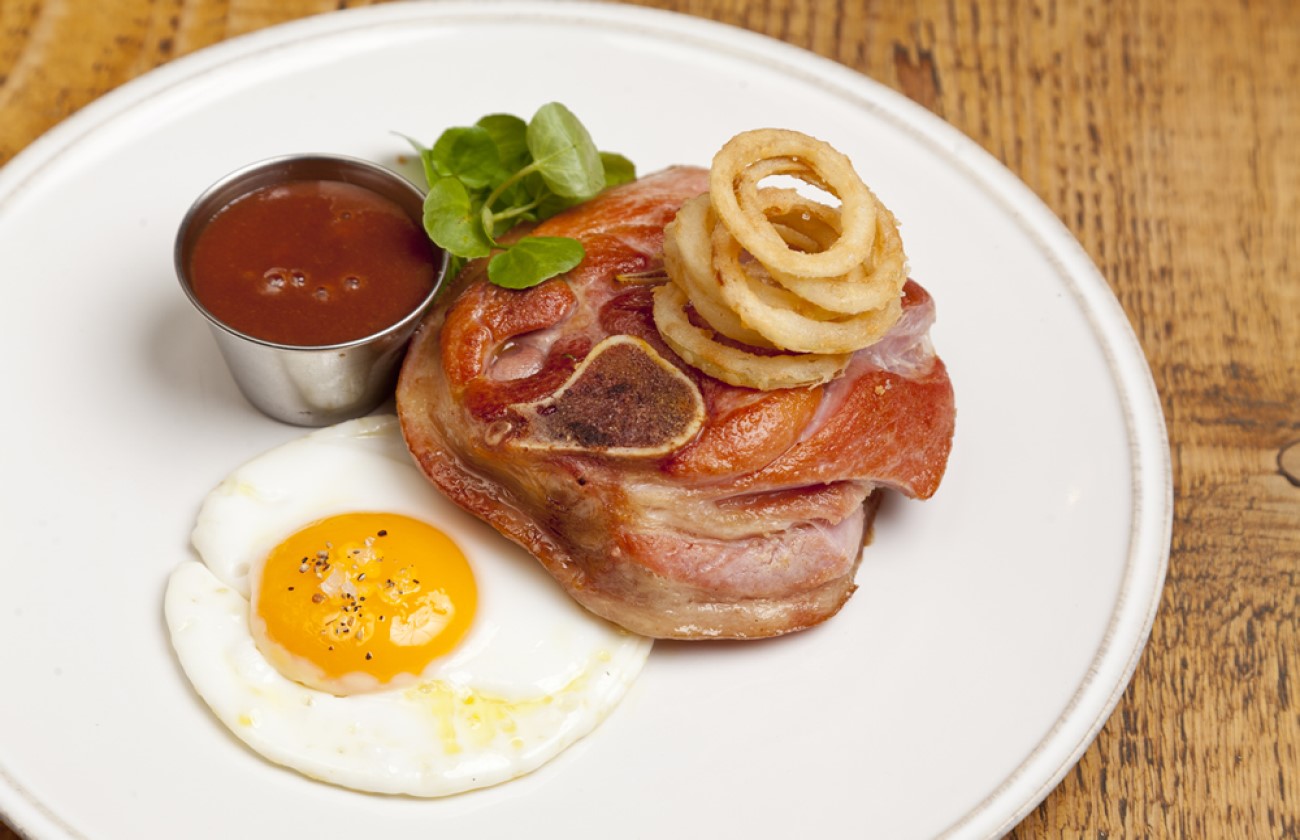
321, 384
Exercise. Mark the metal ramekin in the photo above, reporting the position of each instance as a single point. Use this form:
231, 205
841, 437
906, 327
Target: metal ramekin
309, 385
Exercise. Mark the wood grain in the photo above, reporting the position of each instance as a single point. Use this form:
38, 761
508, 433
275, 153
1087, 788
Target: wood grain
1164, 135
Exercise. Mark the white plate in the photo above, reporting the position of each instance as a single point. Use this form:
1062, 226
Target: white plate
995, 627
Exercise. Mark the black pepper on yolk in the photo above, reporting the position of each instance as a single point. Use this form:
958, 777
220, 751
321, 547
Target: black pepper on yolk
351, 602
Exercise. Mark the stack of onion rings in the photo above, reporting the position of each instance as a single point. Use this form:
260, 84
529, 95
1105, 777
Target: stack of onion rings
801, 283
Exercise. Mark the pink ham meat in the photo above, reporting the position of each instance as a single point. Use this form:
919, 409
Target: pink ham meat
751, 527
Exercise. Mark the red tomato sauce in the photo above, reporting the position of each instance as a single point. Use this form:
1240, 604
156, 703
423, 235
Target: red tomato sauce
311, 262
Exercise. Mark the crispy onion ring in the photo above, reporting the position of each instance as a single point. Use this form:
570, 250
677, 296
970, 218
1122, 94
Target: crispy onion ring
772, 269
797, 155
868, 285
688, 261
785, 319
747, 184
732, 365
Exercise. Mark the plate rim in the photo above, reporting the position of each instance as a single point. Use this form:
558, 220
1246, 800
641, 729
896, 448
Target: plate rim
1114, 660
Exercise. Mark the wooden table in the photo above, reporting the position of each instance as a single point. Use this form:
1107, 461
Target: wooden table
1167, 137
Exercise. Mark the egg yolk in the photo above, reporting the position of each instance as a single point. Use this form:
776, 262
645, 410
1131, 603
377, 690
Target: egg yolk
363, 595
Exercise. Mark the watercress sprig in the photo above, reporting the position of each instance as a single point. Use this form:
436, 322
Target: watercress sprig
486, 178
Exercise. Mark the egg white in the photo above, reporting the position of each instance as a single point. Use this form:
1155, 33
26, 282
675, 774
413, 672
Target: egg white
534, 674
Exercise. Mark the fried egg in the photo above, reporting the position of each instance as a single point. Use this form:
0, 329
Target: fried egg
349, 622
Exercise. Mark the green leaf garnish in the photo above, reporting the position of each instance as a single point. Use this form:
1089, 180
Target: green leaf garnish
564, 153
509, 133
486, 178
618, 169
533, 259
452, 220
426, 158
469, 154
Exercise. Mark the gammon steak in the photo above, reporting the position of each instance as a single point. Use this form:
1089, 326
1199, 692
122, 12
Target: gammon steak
662, 499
